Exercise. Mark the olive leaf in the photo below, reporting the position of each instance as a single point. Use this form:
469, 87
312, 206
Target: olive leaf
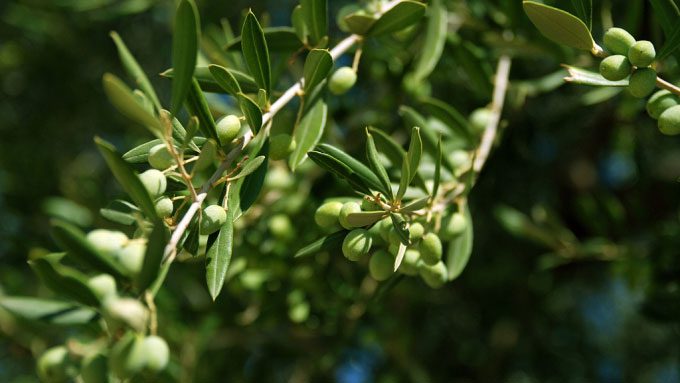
398, 17
415, 152
450, 116
208, 83
255, 52
559, 26
377, 166
672, 43
370, 179
584, 10
339, 169
122, 98
460, 250
365, 218
198, 106
415, 205
219, 255
120, 212
153, 256
317, 67
64, 280
328, 243
134, 70
51, 311
252, 184
225, 79
252, 112
359, 22
668, 15
435, 39
184, 51
127, 178
315, 14
437, 168
405, 178
249, 167
298, 22
308, 133
586, 77
394, 152
279, 40
401, 227
73, 240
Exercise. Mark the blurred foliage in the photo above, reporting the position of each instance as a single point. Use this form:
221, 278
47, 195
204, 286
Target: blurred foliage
574, 273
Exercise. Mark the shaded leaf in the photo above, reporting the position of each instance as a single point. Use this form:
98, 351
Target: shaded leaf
437, 168
401, 227
48, 310
315, 14
331, 242
340, 170
252, 112
435, 39
394, 152
668, 15
198, 106
317, 67
365, 218
184, 50
255, 52
120, 212
64, 281
252, 184
672, 43
367, 176
218, 256
559, 26
208, 83
584, 10
586, 77
308, 133
122, 98
249, 167
460, 250
134, 70
225, 79
359, 22
377, 166
155, 248
415, 152
398, 17
279, 39
449, 116
404, 180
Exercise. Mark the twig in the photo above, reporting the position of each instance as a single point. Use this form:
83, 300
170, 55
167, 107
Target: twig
489, 136
663, 84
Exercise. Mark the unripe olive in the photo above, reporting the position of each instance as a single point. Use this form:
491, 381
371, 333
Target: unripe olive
94, 369
228, 128
347, 209
430, 249
356, 244
342, 80
367, 205
160, 158
642, 82
409, 265
154, 181
459, 158
385, 226
299, 312
615, 68
659, 102
381, 265
642, 54
416, 231
326, 216
52, 365
131, 257
107, 242
127, 311
103, 286
280, 146
214, 216
157, 353
480, 118
618, 41
669, 121
452, 226
281, 226
434, 275
164, 207
128, 356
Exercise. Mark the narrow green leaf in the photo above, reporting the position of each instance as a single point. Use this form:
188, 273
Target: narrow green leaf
208, 83
185, 42
191, 131
315, 14
394, 152
401, 227
369, 178
437, 168
135, 71
120, 212
248, 168
415, 152
365, 218
64, 281
398, 17
586, 77
279, 40
218, 257
48, 310
449, 116
668, 15
584, 10
460, 250
339, 169
331, 242
672, 43
359, 22
415, 205
377, 166
405, 177
252, 112
252, 184
435, 39
400, 256
317, 67
140, 154
559, 26
255, 52
71, 239
126, 177
225, 79
298, 21
152, 258
123, 99
308, 133
198, 106
207, 156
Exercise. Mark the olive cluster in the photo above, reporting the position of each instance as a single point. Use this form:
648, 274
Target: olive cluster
382, 242
634, 58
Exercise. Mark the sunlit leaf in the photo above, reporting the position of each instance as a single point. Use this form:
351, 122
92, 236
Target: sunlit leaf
308, 133
184, 50
402, 15
435, 39
255, 52
559, 26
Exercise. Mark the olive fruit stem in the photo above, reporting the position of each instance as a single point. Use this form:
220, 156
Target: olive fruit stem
663, 84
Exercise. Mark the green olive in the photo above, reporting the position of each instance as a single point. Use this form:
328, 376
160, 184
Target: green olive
381, 265
367, 205
164, 207
669, 121
618, 41
642, 54
430, 249
347, 209
615, 68
660, 101
342, 80
480, 118
127, 357
103, 286
356, 244
94, 369
281, 146
157, 353
127, 311
416, 231
154, 181
434, 275
52, 365
281, 227
642, 82
131, 256
107, 242
326, 216
160, 158
452, 226
409, 265
214, 216
228, 128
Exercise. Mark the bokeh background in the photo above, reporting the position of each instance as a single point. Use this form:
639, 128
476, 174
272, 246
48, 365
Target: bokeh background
575, 270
